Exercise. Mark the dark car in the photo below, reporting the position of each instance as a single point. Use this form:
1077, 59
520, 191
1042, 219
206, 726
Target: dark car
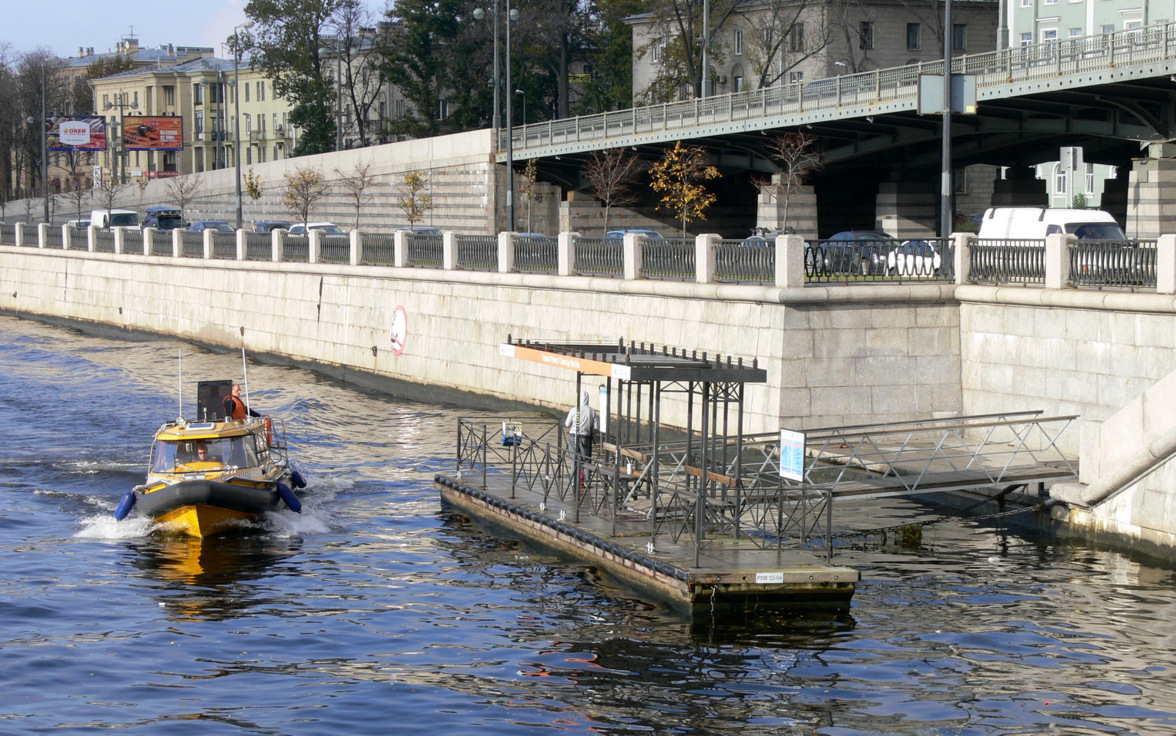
622, 232
221, 226
859, 252
268, 226
163, 218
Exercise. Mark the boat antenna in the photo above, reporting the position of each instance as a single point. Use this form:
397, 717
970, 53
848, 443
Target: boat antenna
245, 372
180, 379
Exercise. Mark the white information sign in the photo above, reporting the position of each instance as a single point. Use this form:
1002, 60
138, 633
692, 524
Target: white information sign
791, 455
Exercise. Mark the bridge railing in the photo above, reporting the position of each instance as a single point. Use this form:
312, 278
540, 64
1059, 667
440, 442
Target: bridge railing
991, 69
1130, 265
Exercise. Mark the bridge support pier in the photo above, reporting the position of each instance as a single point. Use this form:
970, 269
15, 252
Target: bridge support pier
906, 209
778, 206
1019, 188
1151, 194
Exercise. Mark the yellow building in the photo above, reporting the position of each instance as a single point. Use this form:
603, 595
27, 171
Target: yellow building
200, 93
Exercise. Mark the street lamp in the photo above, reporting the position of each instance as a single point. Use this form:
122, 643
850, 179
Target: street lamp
237, 109
511, 15
120, 162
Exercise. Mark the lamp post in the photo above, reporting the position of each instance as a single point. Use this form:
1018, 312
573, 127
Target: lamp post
945, 185
120, 163
237, 110
338, 97
512, 14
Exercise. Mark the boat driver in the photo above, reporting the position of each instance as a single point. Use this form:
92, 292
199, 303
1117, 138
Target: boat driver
235, 406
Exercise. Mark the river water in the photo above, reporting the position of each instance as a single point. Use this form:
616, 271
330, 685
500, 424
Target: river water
376, 611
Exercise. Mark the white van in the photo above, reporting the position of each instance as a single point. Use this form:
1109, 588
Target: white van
1034, 223
117, 218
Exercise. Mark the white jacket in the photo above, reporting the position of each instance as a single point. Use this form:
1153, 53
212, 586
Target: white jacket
582, 419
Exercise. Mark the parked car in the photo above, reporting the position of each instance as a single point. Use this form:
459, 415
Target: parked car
622, 232
79, 224
107, 219
419, 230
268, 226
762, 236
914, 258
327, 228
1035, 223
163, 218
861, 252
221, 226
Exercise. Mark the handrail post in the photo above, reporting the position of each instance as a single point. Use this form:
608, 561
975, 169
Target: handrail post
277, 238
704, 257
177, 238
207, 235
506, 252
242, 244
565, 254
963, 260
631, 248
355, 240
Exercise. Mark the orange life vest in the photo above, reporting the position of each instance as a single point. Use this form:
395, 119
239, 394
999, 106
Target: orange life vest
238, 407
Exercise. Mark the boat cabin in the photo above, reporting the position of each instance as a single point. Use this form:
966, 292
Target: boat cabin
207, 446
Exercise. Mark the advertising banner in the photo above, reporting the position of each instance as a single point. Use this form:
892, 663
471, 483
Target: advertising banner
143, 133
75, 133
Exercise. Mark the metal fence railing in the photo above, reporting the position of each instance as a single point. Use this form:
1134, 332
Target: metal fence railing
53, 237
103, 241
132, 241
598, 257
296, 248
379, 249
7, 233
334, 249
1007, 261
477, 252
738, 262
161, 243
533, 254
1105, 263
425, 250
259, 246
670, 259
192, 244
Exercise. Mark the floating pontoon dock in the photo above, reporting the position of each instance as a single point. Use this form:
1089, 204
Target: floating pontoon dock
706, 520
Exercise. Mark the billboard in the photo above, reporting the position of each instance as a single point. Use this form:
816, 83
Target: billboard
144, 133
75, 133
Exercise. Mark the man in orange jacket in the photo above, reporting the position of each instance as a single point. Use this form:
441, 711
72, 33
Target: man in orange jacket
235, 407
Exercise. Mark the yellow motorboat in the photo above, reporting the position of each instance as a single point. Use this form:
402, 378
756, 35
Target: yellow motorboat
205, 476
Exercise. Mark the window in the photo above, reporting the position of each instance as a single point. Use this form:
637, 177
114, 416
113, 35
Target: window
1026, 3
442, 109
198, 94
248, 154
959, 181
959, 36
1060, 179
866, 35
659, 47
246, 86
1090, 178
1049, 35
736, 81
912, 35
738, 42
1026, 39
135, 99
1075, 33
276, 126
796, 38
248, 123
261, 90
400, 108
199, 124
261, 154
795, 77
1109, 28
169, 95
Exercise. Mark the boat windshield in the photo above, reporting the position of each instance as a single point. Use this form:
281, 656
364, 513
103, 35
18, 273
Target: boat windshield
240, 452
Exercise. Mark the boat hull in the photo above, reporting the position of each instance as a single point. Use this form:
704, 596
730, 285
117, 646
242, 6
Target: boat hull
201, 508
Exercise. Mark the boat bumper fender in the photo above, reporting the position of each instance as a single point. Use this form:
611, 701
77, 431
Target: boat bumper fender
297, 480
125, 505
289, 498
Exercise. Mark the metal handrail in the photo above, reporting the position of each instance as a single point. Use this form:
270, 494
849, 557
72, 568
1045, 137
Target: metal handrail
991, 69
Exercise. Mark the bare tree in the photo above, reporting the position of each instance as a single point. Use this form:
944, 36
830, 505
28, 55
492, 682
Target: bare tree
797, 155
413, 197
612, 175
357, 45
305, 188
528, 187
781, 34
182, 190
677, 36
106, 190
76, 191
356, 185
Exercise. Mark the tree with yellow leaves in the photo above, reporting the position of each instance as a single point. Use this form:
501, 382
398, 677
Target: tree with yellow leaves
677, 178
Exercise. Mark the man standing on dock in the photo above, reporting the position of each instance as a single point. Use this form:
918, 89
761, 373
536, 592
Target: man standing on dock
582, 421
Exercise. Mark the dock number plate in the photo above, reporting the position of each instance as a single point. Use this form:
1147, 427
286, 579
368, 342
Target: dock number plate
767, 578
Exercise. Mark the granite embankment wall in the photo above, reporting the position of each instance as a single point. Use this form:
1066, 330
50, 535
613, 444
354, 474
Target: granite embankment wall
834, 355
